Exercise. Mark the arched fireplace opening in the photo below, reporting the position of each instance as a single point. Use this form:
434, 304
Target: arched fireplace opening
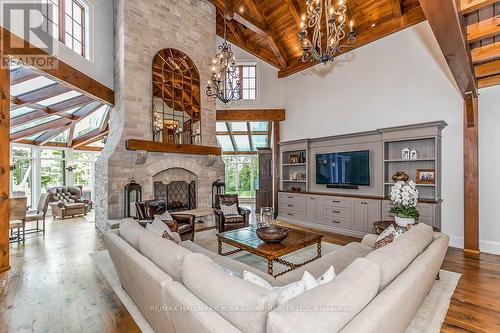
177, 186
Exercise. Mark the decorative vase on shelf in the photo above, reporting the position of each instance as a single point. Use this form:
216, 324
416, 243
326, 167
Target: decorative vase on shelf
403, 221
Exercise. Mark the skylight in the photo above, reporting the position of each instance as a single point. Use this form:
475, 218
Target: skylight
59, 98
30, 85
242, 136
91, 122
33, 123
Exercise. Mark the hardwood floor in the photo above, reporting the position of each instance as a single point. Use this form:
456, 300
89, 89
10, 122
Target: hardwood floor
53, 286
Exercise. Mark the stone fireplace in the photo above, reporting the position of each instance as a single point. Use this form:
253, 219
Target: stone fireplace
142, 28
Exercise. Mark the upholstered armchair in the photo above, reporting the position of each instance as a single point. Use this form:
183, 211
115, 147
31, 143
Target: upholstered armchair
67, 201
228, 222
184, 225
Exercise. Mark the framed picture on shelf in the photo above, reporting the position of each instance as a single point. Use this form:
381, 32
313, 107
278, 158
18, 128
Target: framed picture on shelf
405, 154
426, 176
293, 159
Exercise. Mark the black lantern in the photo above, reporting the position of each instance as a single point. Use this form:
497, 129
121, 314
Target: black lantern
132, 194
218, 187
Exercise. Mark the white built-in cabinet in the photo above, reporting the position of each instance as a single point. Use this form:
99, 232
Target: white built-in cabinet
353, 211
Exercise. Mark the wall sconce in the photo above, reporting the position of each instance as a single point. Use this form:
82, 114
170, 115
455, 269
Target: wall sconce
69, 168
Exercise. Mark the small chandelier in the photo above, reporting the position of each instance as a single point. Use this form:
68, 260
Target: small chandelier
224, 82
335, 18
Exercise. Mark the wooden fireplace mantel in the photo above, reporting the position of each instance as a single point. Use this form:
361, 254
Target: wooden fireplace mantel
162, 147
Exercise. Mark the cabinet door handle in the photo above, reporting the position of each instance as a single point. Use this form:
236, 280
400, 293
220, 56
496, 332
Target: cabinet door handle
336, 201
290, 205
336, 211
290, 214
289, 197
336, 222
311, 198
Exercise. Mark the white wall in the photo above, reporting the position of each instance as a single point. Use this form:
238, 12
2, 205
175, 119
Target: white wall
489, 162
270, 89
100, 65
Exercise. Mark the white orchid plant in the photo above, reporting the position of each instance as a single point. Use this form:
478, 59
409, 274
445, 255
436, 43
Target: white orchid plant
404, 196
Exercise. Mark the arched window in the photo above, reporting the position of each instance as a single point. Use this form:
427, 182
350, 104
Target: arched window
176, 98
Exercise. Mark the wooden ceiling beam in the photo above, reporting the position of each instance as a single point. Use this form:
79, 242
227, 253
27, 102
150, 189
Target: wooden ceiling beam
71, 135
260, 53
489, 81
468, 6
483, 29
446, 23
487, 69
397, 8
61, 72
251, 115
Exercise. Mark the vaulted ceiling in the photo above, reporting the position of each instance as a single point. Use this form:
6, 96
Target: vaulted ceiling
268, 28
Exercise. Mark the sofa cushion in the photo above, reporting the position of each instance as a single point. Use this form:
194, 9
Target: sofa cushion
339, 259
397, 256
195, 248
130, 231
243, 304
329, 307
165, 254
240, 267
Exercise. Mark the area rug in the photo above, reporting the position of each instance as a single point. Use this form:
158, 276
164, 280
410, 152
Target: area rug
428, 319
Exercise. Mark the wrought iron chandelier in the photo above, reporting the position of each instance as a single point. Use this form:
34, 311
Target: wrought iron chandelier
336, 18
224, 82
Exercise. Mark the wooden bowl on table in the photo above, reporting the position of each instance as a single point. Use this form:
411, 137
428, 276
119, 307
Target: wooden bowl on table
273, 234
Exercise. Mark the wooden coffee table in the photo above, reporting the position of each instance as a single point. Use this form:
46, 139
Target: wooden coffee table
245, 239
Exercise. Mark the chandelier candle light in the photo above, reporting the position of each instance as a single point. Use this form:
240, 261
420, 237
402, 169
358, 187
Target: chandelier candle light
224, 82
336, 18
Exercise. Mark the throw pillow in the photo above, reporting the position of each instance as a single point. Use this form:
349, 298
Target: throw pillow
229, 209
160, 228
164, 217
387, 236
294, 289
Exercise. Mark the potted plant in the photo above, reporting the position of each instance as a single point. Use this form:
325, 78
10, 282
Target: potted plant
404, 196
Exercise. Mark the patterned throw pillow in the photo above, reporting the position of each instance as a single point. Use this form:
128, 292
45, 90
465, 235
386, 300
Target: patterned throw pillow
387, 236
169, 236
229, 209
160, 228
294, 289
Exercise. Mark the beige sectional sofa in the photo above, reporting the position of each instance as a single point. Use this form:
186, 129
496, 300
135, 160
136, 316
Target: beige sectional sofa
183, 288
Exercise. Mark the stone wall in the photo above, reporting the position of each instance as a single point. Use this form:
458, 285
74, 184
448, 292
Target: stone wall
143, 27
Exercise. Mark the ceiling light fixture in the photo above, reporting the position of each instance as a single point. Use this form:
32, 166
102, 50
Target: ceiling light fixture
324, 47
224, 82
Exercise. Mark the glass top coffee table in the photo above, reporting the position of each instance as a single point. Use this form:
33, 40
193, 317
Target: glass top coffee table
245, 239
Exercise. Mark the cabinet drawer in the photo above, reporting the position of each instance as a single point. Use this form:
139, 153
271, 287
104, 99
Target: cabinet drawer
291, 214
337, 212
338, 202
292, 198
292, 206
337, 222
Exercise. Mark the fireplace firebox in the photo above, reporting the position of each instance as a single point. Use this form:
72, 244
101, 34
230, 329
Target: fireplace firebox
179, 195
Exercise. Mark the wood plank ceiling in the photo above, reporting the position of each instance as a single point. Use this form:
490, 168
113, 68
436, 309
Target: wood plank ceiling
50, 113
482, 24
268, 28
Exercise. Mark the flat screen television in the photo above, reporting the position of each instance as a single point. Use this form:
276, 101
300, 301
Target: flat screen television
345, 168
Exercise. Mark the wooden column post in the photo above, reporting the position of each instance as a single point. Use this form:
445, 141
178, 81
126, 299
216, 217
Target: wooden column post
4, 161
471, 175
276, 163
